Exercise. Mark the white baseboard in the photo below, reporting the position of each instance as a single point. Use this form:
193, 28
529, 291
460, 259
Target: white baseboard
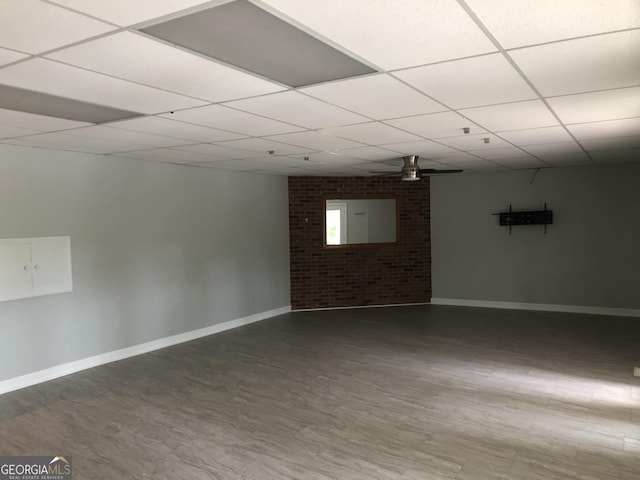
543, 307
90, 362
360, 306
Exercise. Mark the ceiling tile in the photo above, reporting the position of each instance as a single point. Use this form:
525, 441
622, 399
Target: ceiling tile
536, 136
276, 161
610, 128
475, 165
521, 163
10, 132
126, 136
168, 155
171, 128
611, 143
320, 157
376, 96
471, 82
528, 22
512, 116
33, 26
127, 12
315, 141
453, 158
59, 141
568, 159
499, 154
373, 133
583, 65
11, 118
225, 118
9, 56
71, 82
552, 149
263, 146
441, 24
597, 106
421, 147
617, 156
220, 151
298, 109
369, 153
134, 57
436, 125
475, 142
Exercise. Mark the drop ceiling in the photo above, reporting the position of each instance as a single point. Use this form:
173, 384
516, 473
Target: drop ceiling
549, 83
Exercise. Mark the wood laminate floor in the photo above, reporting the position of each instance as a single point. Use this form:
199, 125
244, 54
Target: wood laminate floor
403, 393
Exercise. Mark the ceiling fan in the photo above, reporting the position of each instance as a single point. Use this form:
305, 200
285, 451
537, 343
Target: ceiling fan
411, 172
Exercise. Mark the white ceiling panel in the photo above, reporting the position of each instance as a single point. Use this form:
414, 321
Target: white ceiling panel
71, 82
276, 161
170, 128
475, 142
127, 12
583, 65
374, 133
139, 59
59, 141
536, 136
454, 157
263, 146
388, 37
320, 157
370, 153
471, 82
217, 116
474, 165
521, 163
315, 141
9, 132
598, 106
127, 136
499, 154
33, 26
421, 147
42, 123
298, 109
615, 156
436, 125
219, 151
611, 128
553, 149
569, 159
9, 56
512, 116
168, 155
600, 144
528, 22
376, 96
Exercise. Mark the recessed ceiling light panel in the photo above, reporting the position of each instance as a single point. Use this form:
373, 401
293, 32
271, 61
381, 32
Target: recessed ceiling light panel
242, 34
19, 99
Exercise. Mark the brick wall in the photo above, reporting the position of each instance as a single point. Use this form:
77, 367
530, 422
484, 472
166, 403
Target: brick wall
358, 275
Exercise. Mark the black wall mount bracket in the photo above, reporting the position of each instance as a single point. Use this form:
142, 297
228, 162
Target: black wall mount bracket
533, 217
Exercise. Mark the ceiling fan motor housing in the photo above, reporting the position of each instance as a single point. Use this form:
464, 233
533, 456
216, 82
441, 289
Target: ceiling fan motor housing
410, 170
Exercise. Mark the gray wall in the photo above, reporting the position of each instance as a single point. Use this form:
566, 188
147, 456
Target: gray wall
156, 249
589, 257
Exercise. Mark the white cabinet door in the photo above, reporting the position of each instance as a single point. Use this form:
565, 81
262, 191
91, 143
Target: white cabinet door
51, 260
15, 269
31, 267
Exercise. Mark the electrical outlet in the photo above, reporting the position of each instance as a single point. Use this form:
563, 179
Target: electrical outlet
636, 371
